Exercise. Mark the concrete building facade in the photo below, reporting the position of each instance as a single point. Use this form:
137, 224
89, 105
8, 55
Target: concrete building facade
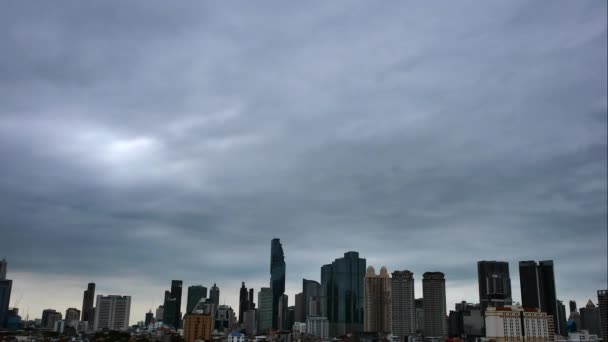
112, 312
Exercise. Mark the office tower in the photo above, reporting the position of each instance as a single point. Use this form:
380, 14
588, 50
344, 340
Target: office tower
265, 309
224, 318
72, 314
88, 300
283, 319
402, 304
419, 304
342, 286
514, 323
197, 327
5, 297
250, 322
3, 269
602, 299
170, 312
277, 278
318, 326
377, 317
149, 318
300, 310
291, 316
494, 283
49, 317
314, 307
251, 301
573, 306
538, 288
112, 312
195, 293
467, 321
176, 292
214, 295
433, 292
590, 318
311, 290
159, 313
562, 318
243, 302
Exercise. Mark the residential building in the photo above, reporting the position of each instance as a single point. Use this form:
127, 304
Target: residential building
538, 288
602, 299
264, 310
342, 287
513, 323
433, 291
195, 293
88, 300
590, 318
214, 294
197, 327
49, 317
72, 317
377, 317
494, 283
419, 304
311, 292
318, 326
243, 302
403, 315
5, 298
112, 312
277, 278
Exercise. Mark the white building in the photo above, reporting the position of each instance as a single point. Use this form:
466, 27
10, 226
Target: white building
504, 324
582, 336
237, 337
318, 326
59, 326
112, 312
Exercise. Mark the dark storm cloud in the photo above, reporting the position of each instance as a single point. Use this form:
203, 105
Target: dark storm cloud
151, 142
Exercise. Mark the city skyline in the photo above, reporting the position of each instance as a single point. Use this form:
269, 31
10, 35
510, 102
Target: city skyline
148, 142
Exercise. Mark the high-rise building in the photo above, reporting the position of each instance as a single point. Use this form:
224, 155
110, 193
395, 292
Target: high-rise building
342, 291
494, 283
433, 291
197, 327
264, 310
159, 313
562, 319
49, 317
573, 306
176, 292
602, 299
5, 297
277, 278
250, 322
300, 310
243, 302
88, 300
318, 326
251, 301
195, 293
311, 291
149, 318
377, 317
170, 312
402, 304
590, 318
283, 319
72, 314
467, 321
214, 295
224, 318
112, 312
513, 323
419, 304
3, 269
538, 288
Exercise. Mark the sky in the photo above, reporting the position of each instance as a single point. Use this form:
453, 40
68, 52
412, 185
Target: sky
146, 141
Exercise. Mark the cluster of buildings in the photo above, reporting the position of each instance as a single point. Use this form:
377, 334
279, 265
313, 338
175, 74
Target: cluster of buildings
350, 302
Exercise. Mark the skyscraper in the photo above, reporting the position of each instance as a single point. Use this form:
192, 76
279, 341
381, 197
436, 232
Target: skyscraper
283, 319
5, 297
195, 293
433, 292
494, 283
562, 318
112, 312
251, 301
590, 318
214, 295
311, 290
342, 287
176, 292
88, 300
403, 308
3, 269
538, 288
170, 311
300, 311
377, 310
149, 317
277, 278
264, 309
573, 306
602, 299
72, 314
243, 302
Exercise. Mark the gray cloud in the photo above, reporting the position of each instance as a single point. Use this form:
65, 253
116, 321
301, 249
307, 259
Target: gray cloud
150, 142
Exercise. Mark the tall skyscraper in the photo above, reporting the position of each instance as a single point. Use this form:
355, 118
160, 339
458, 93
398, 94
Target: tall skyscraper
195, 293
573, 306
277, 278
538, 288
176, 292
590, 318
311, 290
433, 292
300, 311
377, 317
5, 297
251, 301
403, 307
265, 309
112, 312
494, 283
342, 287
562, 319
88, 300
3, 269
170, 312
214, 295
602, 299
243, 302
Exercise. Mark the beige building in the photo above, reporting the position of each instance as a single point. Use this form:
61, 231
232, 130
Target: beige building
513, 323
197, 327
377, 314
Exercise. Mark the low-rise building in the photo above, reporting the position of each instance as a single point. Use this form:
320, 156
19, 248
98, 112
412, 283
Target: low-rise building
197, 327
513, 323
318, 326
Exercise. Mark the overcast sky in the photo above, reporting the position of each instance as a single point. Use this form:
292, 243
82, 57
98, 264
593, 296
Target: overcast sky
145, 141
